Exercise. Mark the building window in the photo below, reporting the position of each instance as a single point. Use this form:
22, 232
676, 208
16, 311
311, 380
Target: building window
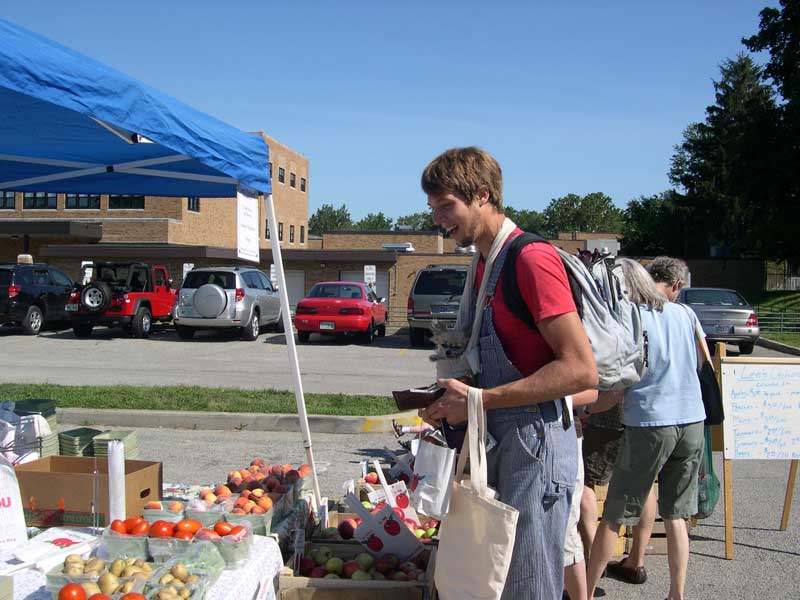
302, 184
125, 202
39, 201
281, 175
291, 234
193, 203
280, 232
270, 170
302, 234
292, 180
266, 235
7, 201
83, 201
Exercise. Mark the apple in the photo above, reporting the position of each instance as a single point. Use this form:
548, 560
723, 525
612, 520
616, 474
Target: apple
366, 560
361, 576
419, 533
334, 564
350, 567
347, 528
371, 478
399, 512
307, 565
430, 532
378, 576
318, 572
384, 564
399, 576
321, 555
365, 503
332, 576
411, 524
407, 566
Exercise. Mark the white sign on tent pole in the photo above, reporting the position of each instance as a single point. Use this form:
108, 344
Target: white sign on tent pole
247, 228
273, 274
370, 275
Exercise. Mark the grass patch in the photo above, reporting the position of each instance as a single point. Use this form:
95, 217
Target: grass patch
780, 301
188, 398
792, 339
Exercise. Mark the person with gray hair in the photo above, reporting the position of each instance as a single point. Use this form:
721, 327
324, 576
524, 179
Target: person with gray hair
670, 275
663, 416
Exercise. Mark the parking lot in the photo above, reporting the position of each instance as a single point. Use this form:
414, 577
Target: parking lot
214, 359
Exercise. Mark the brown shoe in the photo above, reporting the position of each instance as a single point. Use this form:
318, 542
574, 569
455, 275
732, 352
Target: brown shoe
636, 575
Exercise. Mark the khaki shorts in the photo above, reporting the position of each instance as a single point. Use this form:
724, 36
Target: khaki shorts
672, 454
573, 545
600, 449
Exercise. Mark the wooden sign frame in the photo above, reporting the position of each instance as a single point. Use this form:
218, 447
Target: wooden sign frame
718, 444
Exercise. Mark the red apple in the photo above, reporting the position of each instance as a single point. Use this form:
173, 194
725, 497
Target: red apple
347, 528
350, 567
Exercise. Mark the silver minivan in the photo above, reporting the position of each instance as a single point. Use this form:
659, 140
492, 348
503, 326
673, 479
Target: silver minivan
241, 298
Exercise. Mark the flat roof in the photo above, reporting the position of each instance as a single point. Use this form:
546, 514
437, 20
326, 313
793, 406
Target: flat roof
48, 227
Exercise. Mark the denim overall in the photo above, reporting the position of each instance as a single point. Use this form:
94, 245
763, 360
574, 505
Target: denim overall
533, 468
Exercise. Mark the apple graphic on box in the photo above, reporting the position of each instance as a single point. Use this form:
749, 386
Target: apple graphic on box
374, 543
391, 527
401, 500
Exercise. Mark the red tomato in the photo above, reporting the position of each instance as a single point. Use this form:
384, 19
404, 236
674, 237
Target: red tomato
132, 522
207, 533
222, 528
183, 535
118, 526
140, 528
71, 591
133, 596
162, 529
238, 532
99, 597
189, 525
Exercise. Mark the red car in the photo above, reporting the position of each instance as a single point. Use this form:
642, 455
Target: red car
341, 307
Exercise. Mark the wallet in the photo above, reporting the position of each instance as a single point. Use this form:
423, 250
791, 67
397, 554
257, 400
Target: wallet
417, 398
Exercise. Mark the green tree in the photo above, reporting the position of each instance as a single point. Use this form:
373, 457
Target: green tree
654, 225
420, 221
374, 222
593, 212
722, 164
527, 220
328, 218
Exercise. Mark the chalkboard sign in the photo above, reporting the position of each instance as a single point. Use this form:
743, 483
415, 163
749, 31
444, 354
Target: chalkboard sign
762, 408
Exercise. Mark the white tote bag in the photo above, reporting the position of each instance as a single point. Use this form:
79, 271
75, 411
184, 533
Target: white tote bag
433, 477
476, 538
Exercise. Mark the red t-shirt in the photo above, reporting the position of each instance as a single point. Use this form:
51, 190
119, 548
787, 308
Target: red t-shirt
544, 287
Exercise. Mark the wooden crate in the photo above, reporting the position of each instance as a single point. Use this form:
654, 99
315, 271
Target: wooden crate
294, 587
656, 546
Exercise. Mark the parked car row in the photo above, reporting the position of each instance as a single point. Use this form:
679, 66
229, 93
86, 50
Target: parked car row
134, 296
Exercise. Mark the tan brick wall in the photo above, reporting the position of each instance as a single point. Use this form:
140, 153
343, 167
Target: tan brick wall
426, 243
291, 205
214, 225
583, 235
315, 244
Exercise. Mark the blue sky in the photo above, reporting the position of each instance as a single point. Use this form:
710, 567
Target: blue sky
569, 96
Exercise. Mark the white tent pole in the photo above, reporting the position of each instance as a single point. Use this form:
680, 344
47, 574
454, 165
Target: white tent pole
291, 348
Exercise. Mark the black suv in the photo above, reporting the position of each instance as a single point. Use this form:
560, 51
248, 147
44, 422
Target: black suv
33, 294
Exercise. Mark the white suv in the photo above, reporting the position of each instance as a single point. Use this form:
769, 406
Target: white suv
240, 298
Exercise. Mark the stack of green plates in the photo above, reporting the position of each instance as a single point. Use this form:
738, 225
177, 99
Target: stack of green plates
47, 445
77, 442
38, 406
128, 439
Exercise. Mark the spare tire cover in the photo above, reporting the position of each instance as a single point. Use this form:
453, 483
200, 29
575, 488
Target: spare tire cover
210, 300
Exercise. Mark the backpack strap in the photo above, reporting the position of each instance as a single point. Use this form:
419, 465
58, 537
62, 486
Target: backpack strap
511, 296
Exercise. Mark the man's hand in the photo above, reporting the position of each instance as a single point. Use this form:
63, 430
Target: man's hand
451, 406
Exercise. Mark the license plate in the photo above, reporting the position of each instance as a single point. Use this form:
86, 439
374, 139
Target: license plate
71, 307
437, 309
724, 327
327, 325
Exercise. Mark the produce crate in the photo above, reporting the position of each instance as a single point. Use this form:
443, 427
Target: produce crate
296, 587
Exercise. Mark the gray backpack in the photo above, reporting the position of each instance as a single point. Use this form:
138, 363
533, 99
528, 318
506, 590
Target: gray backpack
612, 322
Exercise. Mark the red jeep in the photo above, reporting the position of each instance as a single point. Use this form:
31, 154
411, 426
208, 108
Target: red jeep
129, 295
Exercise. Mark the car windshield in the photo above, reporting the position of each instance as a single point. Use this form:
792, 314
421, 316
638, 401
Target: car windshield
5, 277
112, 274
223, 279
441, 283
335, 290
714, 298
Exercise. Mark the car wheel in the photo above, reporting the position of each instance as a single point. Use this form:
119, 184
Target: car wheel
416, 336
185, 333
34, 319
382, 328
746, 348
303, 336
279, 325
82, 330
96, 297
369, 334
251, 330
142, 323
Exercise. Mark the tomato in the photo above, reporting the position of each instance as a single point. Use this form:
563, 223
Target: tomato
133, 596
99, 597
188, 525
140, 528
162, 529
132, 522
118, 526
222, 528
71, 591
183, 535
238, 532
206, 533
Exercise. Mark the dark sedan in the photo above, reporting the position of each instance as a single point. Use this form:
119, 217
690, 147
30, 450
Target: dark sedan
725, 315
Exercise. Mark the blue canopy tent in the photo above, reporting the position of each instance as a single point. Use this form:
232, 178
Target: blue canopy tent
71, 124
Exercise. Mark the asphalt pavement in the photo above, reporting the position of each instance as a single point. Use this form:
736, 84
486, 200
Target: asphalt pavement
766, 563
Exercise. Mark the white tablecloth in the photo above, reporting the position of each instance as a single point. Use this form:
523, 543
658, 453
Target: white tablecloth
253, 580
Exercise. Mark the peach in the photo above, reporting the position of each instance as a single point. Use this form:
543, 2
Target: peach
238, 511
272, 483
258, 492
153, 505
176, 506
265, 503
245, 494
236, 483
223, 491
205, 491
287, 467
210, 498
292, 476
232, 475
254, 469
249, 506
304, 470
257, 510
260, 476
253, 485
241, 502
257, 461
277, 470
244, 474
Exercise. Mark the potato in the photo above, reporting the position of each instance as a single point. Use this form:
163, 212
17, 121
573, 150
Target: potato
192, 579
166, 579
126, 587
95, 564
74, 559
90, 587
109, 583
117, 567
179, 572
185, 593
73, 570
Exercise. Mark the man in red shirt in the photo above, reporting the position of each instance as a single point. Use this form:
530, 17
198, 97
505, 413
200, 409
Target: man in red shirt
523, 372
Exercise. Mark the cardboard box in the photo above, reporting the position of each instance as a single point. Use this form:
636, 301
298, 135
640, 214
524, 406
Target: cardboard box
6, 588
57, 490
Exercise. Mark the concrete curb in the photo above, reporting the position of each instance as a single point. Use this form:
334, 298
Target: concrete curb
173, 419
772, 345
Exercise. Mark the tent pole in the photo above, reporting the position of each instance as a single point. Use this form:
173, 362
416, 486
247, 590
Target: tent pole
291, 348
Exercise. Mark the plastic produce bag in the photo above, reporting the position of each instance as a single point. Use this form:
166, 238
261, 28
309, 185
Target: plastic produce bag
708, 485
12, 517
433, 476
